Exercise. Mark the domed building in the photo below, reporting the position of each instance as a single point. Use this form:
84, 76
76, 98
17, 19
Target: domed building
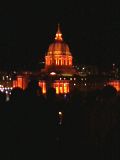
58, 72
58, 58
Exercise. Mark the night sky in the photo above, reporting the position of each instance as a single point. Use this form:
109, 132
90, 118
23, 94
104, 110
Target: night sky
92, 31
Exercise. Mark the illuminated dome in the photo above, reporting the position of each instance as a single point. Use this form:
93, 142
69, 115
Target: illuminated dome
58, 47
58, 52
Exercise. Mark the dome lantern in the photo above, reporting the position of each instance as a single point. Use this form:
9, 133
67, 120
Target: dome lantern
58, 35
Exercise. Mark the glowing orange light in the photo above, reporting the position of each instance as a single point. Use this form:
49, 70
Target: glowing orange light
20, 82
43, 86
61, 61
14, 83
70, 61
115, 84
61, 87
57, 90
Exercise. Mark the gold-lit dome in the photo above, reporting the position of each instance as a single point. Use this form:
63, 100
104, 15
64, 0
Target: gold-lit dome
58, 52
58, 47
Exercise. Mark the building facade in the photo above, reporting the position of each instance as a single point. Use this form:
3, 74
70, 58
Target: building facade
58, 72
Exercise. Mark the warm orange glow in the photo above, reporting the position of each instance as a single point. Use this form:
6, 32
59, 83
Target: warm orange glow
115, 83
70, 61
66, 62
20, 82
43, 86
58, 34
61, 87
61, 61
25, 83
58, 60
14, 83
57, 90
56, 86
66, 87
47, 62
58, 52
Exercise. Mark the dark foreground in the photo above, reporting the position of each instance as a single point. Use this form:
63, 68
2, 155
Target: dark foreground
87, 126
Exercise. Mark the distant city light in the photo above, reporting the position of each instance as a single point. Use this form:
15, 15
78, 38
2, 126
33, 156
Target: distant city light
60, 113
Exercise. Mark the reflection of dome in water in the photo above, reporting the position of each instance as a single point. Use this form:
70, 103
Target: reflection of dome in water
58, 47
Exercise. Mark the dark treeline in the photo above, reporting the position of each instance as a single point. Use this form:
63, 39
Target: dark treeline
78, 126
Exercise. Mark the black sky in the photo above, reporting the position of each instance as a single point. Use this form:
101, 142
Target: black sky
92, 31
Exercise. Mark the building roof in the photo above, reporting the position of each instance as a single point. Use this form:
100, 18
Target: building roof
58, 47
